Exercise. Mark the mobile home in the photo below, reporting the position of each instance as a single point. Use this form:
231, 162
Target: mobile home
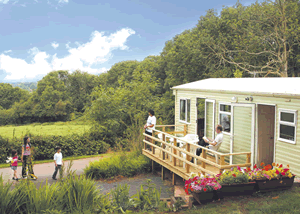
258, 115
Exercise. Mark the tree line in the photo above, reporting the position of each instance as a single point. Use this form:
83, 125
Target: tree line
260, 40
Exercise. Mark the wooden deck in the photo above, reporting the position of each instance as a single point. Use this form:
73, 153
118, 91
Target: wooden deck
178, 160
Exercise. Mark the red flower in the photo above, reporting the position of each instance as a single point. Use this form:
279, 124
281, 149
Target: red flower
249, 169
255, 166
282, 173
233, 175
280, 166
277, 172
204, 189
262, 163
285, 170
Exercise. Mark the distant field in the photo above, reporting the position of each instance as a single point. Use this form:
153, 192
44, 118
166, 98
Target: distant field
58, 128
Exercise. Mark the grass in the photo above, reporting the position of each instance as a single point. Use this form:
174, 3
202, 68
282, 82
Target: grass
106, 155
54, 128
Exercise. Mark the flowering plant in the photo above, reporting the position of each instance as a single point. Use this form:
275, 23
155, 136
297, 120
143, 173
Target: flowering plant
234, 176
275, 171
198, 184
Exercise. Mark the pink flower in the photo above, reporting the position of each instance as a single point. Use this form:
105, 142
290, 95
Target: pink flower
239, 168
216, 188
267, 176
277, 172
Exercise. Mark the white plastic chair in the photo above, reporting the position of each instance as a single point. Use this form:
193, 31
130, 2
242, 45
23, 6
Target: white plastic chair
193, 138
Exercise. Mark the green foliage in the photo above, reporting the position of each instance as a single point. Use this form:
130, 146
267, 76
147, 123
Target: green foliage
9, 95
233, 176
125, 165
147, 197
120, 197
72, 145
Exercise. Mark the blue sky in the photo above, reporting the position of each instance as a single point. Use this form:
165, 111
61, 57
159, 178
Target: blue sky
38, 36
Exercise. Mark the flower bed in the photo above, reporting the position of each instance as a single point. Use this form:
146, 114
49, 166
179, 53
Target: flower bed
270, 178
203, 189
235, 182
239, 181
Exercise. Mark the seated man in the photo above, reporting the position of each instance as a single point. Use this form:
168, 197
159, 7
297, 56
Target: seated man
213, 144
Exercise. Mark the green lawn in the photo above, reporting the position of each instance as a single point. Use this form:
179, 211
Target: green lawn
57, 128
106, 155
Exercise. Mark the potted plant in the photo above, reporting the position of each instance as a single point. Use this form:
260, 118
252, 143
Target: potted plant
270, 178
235, 182
203, 188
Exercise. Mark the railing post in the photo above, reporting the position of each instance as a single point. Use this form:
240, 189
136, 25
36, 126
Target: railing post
174, 151
164, 129
163, 145
185, 129
188, 148
248, 158
222, 163
203, 163
145, 144
151, 140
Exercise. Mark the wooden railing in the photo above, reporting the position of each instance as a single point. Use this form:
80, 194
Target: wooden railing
204, 160
184, 132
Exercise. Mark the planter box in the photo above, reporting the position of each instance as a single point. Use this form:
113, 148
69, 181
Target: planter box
274, 184
205, 197
237, 189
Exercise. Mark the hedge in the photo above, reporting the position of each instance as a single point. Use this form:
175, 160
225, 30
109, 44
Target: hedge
71, 145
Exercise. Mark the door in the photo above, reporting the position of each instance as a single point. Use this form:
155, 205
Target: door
210, 118
265, 133
200, 122
242, 125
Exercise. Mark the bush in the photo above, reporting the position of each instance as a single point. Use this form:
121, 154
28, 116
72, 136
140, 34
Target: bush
125, 165
44, 146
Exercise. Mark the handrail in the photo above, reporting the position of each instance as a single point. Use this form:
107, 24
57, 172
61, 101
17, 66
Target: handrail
204, 160
182, 150
179, 158
168, 125
195, 145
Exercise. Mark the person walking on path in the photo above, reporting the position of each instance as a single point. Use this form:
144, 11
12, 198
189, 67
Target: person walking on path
26, 158
57, 161
14, 164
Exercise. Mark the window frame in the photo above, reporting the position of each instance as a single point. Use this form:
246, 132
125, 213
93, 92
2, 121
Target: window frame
294, 124
186, 110
227, 113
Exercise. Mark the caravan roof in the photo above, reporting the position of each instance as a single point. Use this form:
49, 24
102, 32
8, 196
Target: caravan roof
267, 85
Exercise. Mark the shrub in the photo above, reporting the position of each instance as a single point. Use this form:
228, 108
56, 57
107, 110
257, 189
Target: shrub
71, 145
125, 165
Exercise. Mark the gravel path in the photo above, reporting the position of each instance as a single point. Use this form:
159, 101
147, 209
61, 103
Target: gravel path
44, 172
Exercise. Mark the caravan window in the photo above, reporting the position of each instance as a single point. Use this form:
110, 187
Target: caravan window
287, 125
185, 109
225, 117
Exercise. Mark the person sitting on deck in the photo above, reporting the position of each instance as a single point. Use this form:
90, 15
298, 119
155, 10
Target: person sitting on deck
213, 144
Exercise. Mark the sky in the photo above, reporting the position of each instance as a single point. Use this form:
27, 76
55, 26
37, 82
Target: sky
39, 36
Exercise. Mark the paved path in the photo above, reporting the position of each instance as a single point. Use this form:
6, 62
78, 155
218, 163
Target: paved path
44, 172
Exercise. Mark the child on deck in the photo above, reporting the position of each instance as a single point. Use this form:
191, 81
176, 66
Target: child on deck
14, 164
58, 162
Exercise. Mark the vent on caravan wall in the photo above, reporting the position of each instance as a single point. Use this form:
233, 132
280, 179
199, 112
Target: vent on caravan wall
249, 98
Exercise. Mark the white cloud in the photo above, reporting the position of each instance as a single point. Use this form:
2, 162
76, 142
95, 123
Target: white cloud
85, 56
54, 45
63, 1
8, 51
4, 1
